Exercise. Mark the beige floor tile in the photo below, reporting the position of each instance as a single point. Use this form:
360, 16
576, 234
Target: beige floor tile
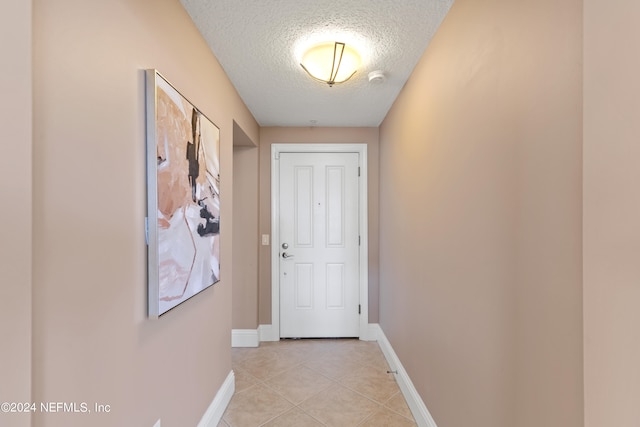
240, 353
386, 418
263, 364
292, 355
339, 406
374, 383
297, 385
334, 382
359, 353
305, 346
399, 405
372, 355
331, 364
294, 418
255, 406
322, 347
244, 380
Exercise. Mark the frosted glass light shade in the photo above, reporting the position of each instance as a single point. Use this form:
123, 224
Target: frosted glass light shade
331, 62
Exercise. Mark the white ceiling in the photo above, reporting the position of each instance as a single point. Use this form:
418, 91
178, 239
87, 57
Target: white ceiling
259, 43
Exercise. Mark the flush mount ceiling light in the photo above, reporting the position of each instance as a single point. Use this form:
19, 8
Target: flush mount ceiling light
331, 62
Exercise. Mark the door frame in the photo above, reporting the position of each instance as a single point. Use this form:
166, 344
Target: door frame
363, 272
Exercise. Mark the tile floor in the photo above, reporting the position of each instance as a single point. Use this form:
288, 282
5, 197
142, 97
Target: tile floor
329, 382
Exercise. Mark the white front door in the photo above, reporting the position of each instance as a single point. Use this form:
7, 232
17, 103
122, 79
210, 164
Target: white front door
319, 245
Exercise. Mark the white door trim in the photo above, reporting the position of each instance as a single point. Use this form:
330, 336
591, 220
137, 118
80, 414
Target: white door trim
361, 149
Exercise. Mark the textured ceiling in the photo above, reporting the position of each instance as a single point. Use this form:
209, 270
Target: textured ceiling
259, 44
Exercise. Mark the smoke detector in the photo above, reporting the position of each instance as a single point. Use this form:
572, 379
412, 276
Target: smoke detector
377, 77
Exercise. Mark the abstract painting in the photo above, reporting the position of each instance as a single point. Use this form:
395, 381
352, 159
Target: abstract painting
183, 192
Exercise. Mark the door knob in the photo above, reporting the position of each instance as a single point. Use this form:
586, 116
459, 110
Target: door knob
285, 246
286, 255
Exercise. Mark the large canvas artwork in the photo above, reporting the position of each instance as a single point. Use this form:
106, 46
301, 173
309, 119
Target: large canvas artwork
183, 190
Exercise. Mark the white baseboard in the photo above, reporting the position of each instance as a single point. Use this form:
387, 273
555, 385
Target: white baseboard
214, 413
268, 333
371, 333
245, 338
418, 408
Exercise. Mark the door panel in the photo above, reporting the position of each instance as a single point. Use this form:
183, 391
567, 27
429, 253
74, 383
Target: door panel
303, 206
335, 206
335, 286
304, 286
319, 249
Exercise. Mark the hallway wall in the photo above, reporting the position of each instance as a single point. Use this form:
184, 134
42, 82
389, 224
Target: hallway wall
480, 217
92, 340
16, 211
245, 237
611, 214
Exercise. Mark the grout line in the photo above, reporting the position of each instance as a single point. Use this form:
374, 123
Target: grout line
277, 416
309, 415
402, 415
367, 417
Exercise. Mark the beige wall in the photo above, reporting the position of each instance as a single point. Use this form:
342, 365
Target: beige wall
276, 135
245, 232
91, 339
16, 211
480, 217
611, 214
